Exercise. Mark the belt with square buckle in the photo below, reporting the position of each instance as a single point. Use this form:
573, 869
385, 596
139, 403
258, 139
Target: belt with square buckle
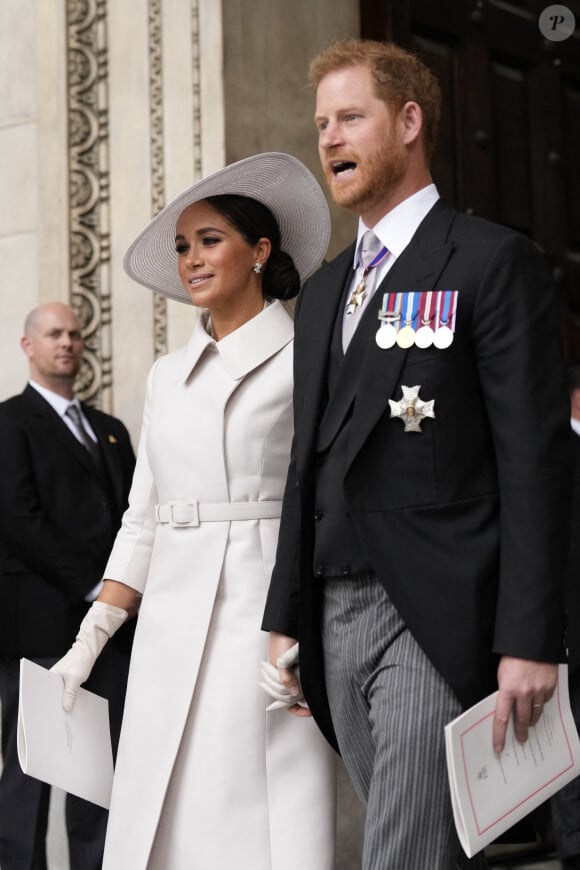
184, 514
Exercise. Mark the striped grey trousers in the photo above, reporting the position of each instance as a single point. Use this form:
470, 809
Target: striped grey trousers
389, 706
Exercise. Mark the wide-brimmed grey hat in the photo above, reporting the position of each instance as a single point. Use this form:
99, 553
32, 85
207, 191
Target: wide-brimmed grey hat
279, 181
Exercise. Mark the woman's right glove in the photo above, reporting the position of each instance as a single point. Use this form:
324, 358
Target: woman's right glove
277, 690
100, 623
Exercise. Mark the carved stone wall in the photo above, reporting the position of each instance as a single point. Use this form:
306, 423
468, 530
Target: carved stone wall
88, 153
157, 151
89, 221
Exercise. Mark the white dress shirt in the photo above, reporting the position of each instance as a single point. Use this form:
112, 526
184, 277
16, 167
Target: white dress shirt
60, 405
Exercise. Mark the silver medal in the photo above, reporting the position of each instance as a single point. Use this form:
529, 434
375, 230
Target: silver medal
424, 336
386, 336
443, 337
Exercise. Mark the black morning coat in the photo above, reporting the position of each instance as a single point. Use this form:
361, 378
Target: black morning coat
466, 522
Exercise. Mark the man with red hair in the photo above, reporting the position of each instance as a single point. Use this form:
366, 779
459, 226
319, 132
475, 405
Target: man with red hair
424, 531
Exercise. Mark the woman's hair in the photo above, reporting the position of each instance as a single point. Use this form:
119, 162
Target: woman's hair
399, 76
254, 221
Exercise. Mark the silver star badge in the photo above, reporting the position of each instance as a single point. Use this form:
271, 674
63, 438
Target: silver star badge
411, 409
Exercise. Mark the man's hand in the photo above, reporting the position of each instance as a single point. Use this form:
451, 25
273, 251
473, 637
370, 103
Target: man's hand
279, 645
524, 687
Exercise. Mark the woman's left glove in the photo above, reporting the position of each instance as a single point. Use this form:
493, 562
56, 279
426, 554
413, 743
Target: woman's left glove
100, 623
277, 690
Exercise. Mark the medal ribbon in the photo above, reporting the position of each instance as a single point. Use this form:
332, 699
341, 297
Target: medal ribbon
378, 258
412, 308
425, 314
448, 313
385, 314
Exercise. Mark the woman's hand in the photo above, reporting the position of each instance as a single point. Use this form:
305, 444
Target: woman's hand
281, 676
101, 622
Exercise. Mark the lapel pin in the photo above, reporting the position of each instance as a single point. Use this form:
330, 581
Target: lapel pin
112, 439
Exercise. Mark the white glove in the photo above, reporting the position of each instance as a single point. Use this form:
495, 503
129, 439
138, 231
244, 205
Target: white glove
272, 685
100, 623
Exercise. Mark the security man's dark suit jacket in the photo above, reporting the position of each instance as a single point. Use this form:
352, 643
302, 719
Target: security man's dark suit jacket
57, 521
465, 523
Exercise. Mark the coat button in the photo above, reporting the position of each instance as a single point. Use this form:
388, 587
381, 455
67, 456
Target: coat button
346, 571
319, 571
318, 515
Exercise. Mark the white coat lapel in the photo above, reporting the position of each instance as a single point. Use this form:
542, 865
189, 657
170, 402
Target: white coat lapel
247, 347
256, 341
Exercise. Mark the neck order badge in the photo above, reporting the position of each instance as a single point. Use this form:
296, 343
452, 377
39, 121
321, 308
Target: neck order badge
372, 253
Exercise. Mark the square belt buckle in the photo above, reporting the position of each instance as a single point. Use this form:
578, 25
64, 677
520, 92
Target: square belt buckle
183, 514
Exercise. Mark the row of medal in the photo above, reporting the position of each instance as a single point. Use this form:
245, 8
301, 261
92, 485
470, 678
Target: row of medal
421, 318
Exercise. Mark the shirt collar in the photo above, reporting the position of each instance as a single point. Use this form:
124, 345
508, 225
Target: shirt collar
398, 226
58, 403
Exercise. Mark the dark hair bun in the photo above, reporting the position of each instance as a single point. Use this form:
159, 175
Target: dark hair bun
281, 278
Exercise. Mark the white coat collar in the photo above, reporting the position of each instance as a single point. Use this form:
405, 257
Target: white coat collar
246, 347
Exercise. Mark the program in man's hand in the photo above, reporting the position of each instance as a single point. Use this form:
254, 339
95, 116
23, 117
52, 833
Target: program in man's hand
490, 792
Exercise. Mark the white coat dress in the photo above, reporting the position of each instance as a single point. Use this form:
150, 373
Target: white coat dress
205, 778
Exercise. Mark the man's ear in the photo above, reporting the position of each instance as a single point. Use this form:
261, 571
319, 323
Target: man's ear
25, 345
411, 119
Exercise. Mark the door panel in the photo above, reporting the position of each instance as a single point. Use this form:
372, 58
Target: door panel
509, 142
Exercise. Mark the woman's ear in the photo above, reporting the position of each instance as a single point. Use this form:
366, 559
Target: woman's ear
263, 250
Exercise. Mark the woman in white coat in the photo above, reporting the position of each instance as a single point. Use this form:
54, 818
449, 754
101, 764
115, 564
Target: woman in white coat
205, 776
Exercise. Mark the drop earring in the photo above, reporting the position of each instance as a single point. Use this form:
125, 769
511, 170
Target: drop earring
257, 268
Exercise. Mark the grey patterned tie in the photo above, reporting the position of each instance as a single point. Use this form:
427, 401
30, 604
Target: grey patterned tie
74, 414
370, 247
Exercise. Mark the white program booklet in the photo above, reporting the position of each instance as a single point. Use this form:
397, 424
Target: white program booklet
491, 792
69, 750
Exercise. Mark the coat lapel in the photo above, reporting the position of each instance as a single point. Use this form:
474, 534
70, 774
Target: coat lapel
50, 422
418, 268
256, 341
247, 347
342, 398
316, 314
109, 451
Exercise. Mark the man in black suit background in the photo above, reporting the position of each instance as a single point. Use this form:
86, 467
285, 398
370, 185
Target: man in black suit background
65, 477
424, 530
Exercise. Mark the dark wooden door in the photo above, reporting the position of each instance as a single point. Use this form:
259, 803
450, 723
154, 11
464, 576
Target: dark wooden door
509, 146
